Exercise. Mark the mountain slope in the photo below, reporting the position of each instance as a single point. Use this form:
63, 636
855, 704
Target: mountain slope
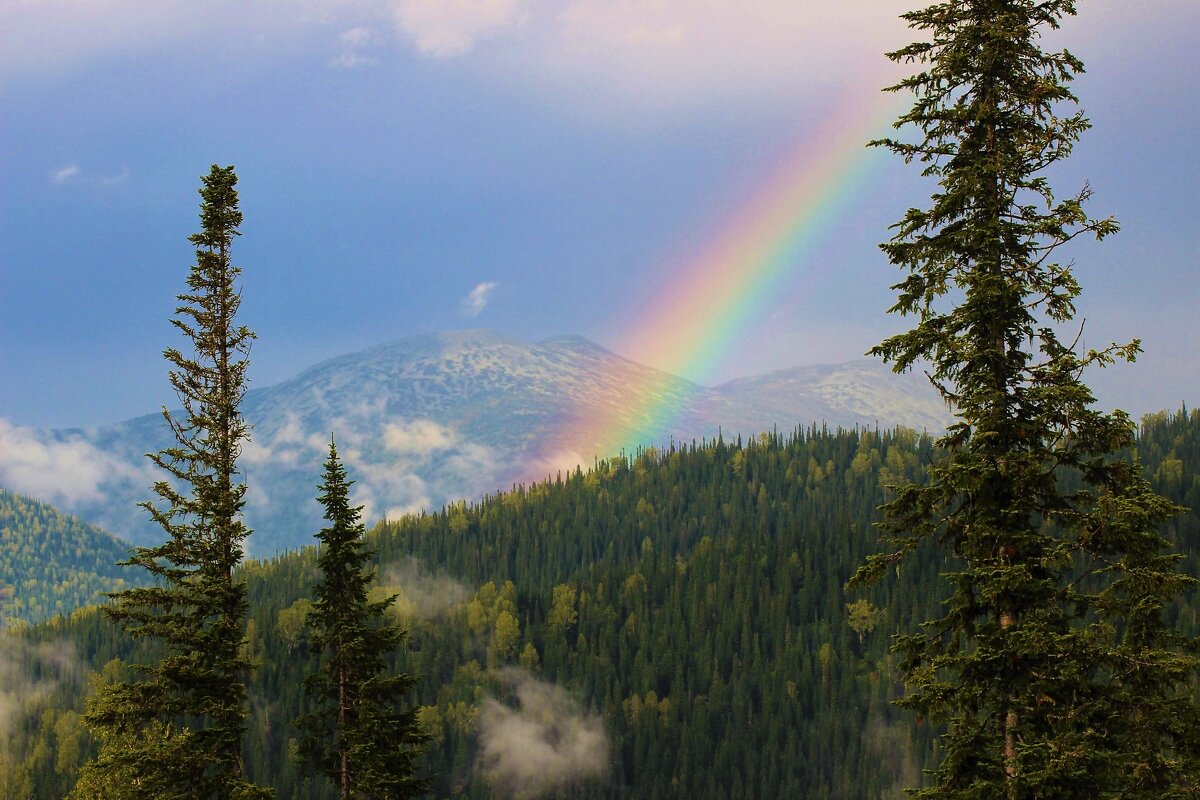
51, 563
686, 606
430, 419
863, 393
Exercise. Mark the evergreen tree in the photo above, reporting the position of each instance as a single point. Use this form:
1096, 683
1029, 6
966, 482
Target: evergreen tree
175, 730
1051, 663
359, 735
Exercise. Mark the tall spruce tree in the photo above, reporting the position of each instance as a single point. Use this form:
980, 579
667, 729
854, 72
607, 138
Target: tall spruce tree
175, 728
359, 733
1051, 665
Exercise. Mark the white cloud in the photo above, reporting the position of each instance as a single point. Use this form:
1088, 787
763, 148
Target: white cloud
319, 443
616, 54
284, 446
73, 174
644, 23
62, 472
388, 484
399, 466
546, 742
420, 437
255, 453
29, 673
414, 507
385, 488
665, 53
291, 432
423, 593
368, 408
356, 38
351, 60
53, 36
352, 43
474, 463
445, 28
478, 299
65, 174
257, 498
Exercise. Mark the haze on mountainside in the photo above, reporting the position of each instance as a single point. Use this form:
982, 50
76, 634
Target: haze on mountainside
432, 419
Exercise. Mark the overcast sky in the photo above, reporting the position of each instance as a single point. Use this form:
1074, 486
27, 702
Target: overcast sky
539, 167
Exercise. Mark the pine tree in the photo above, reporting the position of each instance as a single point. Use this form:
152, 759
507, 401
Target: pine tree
1051, 664
359, 735
175, 729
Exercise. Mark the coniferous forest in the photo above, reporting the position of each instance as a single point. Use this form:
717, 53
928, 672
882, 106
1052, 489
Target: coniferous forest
53, 563
689, 602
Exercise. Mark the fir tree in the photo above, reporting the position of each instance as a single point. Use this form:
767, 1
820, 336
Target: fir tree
360, 735
1051, 664
175, 729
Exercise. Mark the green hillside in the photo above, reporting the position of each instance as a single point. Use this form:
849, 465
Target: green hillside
687, 603
51, 563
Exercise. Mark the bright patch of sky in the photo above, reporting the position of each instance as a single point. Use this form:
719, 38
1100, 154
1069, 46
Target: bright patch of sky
393, 155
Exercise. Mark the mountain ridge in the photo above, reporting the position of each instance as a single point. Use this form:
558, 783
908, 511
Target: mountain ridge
429, 419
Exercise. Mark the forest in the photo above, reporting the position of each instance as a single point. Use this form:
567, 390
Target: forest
686, 605
53, 563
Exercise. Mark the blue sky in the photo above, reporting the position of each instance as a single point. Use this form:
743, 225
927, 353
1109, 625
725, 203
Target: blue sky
535, 166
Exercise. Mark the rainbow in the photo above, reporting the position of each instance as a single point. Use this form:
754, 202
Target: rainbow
709, 301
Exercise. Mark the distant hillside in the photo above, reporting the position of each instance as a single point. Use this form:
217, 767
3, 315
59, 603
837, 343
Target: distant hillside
430, 419
51, 563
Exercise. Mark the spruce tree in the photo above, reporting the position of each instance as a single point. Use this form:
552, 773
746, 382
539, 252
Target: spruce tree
1051, 665
359, 734
174, 729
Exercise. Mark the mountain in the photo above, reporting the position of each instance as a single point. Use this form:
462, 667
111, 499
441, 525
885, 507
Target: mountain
51, 563
863, 393
429, 419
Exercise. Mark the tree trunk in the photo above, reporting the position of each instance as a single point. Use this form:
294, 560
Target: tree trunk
345, 770
1010, 719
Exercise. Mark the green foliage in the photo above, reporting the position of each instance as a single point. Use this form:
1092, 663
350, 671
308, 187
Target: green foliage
562, 608
862, 617
175, 730
358, 734
1051, 662
713, 641
51, 563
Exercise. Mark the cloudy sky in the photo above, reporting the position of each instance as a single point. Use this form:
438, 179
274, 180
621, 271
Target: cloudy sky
535, 166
